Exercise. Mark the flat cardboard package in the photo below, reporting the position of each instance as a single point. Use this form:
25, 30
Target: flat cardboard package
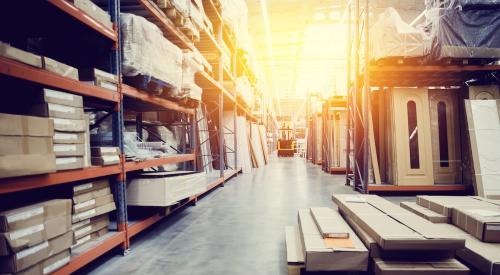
59, 68
294, 248
33, 255
91, 195
69, 150
94, 212
104, 151
330, 254
25, 145
26, 165
94, 12
105, 160
99, 78
90, 186
327, 221
425, 212
448, 267
61, 98
15, 241
30, 215
93, 226
395, 228
69, 125
68, 138
80, 242
444, 205
92, 203
19, 55
16, 125
54, 110
49, 265
69, 163
482, 223
485, 257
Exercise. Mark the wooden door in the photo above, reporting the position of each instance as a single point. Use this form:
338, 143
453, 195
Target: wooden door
445, 133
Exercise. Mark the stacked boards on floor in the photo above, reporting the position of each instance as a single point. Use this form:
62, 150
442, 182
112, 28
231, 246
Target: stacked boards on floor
323, 241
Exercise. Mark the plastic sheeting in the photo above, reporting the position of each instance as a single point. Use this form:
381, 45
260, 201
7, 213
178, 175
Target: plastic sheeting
392, 37
244, 89
235, 14
459, 33
146, 52
463, 4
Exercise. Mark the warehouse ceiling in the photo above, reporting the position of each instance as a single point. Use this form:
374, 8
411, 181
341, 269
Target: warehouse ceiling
307, 49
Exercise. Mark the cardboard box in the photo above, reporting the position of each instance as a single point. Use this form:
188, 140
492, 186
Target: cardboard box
96, 225
87, 162
424, 212
94, 212
25, 145
88, 238
482, 223
26, 165
94, 11
15, 241
485, 257
16, 125
69, 138
91, 195
93, 203
294, 249
93, 74
69, 125
33, 255
104, 151
450, 266
399, 255
96, 219
30, 215
59, 68
90, 186
330, 254
62, 98
395, 228
326, 220
105, 160
444, 205
56, 111
49, 265
69, 163
19, 55
69, 150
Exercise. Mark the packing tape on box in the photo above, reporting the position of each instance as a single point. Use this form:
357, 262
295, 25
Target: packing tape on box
25, 214
32, 250
58, 95
14, 235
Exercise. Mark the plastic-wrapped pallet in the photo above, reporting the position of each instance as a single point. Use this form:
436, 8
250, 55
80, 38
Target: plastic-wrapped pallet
146, 52
235, 14
469, 33
462, 4
192, 62
392, 37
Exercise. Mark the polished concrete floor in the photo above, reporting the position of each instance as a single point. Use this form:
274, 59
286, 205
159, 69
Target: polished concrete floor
237, 229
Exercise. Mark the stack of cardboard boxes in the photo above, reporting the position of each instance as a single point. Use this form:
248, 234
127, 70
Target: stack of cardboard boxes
91, 204
25, 146
66, 110
99, 78
103, 156
36, 239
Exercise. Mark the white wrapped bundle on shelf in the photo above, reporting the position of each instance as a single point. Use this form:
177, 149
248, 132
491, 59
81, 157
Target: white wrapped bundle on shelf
235, 14
244, 90
391, 37
192, 63
147, 53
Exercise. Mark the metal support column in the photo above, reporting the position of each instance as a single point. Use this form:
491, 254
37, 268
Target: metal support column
349, 100
220, 76
366, 99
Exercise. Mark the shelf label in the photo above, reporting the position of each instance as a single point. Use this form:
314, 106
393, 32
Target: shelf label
25, 214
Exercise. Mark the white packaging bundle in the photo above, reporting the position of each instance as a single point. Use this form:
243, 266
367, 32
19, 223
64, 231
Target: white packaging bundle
182, 6
147, 52
235, 13
244, 89
392, 37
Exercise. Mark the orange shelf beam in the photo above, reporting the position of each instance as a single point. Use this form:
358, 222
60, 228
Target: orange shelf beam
154, 100
138, 165
81, 16
85, 258
17, 184
22, 71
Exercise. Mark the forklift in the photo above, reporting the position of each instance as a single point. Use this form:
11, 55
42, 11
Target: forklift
286, 142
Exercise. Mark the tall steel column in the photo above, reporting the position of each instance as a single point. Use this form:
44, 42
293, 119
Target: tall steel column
220, 76
366, 99
349, 100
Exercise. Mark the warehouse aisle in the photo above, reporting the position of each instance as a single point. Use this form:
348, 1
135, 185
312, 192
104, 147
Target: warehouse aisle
237, 229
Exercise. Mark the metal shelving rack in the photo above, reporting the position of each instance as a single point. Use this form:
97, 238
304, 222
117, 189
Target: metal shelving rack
361, 71
130, 98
